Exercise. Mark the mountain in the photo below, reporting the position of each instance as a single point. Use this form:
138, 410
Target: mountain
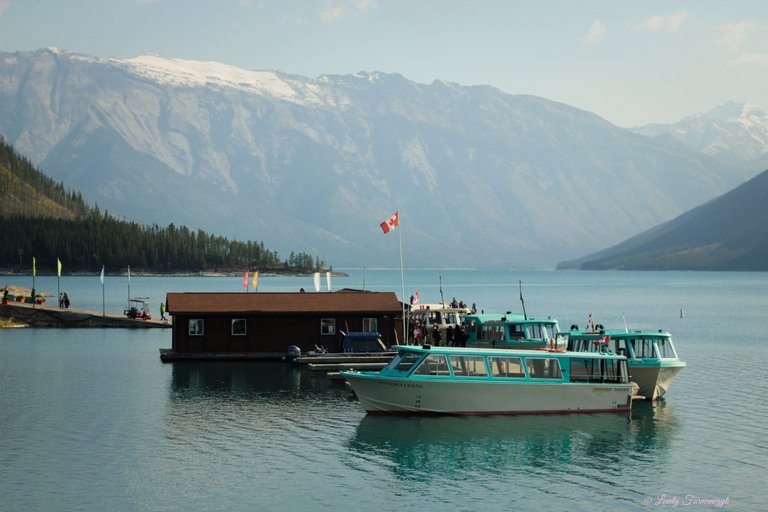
726, 233
735, 133
481, 178
27, 192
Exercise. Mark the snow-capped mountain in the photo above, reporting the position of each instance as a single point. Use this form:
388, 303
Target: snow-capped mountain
736, 133
480, 177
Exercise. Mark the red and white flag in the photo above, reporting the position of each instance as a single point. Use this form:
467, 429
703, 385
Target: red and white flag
415, 298
245, 280
391, 223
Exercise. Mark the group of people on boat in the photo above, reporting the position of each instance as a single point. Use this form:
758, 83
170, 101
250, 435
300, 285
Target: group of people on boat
455, 336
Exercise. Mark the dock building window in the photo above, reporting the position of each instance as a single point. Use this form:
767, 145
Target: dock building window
238, 326
543, 368
327, 326
196, 326
370, 325
506, 367
468, 366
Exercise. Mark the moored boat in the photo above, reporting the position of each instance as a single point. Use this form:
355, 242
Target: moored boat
511, 331
441, 316
651, 356
464, 381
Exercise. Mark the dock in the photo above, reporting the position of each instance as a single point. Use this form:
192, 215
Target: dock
43, 315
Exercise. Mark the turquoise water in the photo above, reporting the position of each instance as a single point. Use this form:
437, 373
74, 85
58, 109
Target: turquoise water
92, 420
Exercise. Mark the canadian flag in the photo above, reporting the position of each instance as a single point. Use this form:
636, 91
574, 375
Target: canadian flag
391, 223
415, 298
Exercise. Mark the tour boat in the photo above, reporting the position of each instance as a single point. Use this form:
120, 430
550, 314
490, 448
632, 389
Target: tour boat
651, 357
511, 331
465, 381
442, 315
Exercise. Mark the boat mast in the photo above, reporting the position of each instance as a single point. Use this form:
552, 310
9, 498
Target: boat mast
525, 315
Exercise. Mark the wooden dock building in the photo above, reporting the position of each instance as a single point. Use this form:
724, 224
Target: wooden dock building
264, 325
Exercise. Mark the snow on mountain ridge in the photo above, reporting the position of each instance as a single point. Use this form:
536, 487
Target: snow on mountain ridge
193, 73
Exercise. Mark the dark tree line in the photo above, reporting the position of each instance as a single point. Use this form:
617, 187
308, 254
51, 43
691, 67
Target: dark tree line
85, 244
42, 220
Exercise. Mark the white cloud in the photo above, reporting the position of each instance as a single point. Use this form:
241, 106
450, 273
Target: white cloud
596, 32
733, 34
340, 10
4, 4
671, 23
753, 58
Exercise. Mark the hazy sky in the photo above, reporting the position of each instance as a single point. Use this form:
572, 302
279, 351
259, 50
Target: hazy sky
631, 62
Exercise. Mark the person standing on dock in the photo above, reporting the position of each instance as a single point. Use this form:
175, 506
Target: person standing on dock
162, 311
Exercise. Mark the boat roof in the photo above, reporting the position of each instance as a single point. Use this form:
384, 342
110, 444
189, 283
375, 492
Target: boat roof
510, 318
431, 349
282, 302
617, 333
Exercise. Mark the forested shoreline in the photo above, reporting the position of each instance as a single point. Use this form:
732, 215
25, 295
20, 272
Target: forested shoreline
40, 219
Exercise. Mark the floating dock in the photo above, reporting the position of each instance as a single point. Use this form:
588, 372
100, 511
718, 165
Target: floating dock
42, 315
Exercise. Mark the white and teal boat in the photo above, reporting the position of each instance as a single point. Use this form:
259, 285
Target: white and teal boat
651, 356
453, 380
511, 331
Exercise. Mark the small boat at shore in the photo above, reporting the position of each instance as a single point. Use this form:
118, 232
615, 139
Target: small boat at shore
651, 356
464, 381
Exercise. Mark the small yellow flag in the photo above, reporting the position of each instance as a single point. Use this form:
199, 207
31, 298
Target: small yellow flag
256, 280
34, 270
58, 267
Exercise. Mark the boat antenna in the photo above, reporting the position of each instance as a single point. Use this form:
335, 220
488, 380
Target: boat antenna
522, 301
626, 329
442, 300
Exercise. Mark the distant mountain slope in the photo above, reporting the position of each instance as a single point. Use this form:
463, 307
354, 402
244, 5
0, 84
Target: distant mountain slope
481, 178
726, 233
27, 192
735, 133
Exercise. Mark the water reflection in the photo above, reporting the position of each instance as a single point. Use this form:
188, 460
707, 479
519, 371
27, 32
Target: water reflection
235, 400
601, 444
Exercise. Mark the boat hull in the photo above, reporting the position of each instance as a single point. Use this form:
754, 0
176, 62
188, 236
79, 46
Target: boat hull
654, 380
390, 395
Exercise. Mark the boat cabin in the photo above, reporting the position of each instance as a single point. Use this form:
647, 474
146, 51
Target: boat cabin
511, 331
442, 315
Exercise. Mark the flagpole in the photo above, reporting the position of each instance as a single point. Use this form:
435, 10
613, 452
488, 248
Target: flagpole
402, 279
34, 291
129, 285
58, 281
103, 296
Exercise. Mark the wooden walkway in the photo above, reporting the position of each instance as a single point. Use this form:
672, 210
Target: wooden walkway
43, 315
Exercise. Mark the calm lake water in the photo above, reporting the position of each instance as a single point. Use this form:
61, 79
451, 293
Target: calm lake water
90, 419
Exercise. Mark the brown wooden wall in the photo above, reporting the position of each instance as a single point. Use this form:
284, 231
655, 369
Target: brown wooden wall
274, 333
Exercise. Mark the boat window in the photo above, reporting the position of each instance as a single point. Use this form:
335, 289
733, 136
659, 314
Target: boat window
534, 331
611, 370
550, 330
327, 326
452, 318
370, 324
666, 350
433, 364
238, 327
506, 367
196, 326
579, 345
643, 348
493, 332
403, 361
516, 332
621, 349
468, 366
543, 368
598, 369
